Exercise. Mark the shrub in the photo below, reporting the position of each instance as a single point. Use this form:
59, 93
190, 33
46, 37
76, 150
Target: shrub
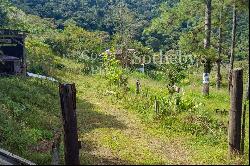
75, 43
40, 57
113, 70
174, 70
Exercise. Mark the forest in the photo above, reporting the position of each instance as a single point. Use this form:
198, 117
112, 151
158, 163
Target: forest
154, 80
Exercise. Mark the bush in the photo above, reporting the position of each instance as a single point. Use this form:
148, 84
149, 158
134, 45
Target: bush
113, 71
40, 57
175, 70
76, 43
156, 75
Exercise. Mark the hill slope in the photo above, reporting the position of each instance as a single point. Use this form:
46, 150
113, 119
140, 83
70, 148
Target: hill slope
116, 125
113, 129
90, 14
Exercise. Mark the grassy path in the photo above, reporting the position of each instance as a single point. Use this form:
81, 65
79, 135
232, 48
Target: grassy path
115, 128
115, 136
111, 135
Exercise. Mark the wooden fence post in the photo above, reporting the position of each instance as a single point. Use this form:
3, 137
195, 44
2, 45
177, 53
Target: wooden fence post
68, 106
156, 106
243, 132
138, 87
236, 93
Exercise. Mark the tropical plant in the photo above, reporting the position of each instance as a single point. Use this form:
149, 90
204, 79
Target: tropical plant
113, 71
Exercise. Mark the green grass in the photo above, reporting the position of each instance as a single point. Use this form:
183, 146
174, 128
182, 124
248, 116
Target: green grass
29, 115
116, 126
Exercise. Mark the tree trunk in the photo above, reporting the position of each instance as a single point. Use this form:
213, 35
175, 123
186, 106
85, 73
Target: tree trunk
219, 77
247, 92
207, 41
233, 45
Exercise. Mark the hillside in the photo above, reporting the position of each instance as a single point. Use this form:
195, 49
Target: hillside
89, 14
117, 124
110, 127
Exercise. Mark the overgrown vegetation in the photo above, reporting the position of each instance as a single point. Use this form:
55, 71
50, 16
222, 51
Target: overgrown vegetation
114, 121
27, 120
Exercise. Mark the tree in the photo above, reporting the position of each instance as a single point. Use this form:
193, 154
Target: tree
182, 27
234, 23
123, 21
219, 60
207, 42
3, 14
90, 14
237, 5
165, 30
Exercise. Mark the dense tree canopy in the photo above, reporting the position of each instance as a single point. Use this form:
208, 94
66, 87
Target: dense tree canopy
91, 14
180, 26
145, 25
3, 14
